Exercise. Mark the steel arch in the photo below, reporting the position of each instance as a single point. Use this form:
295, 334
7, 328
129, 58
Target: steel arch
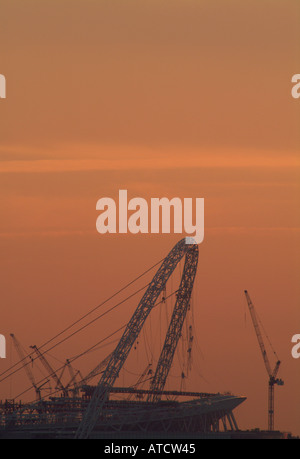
183, 248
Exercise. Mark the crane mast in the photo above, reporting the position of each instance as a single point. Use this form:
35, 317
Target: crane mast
272, 374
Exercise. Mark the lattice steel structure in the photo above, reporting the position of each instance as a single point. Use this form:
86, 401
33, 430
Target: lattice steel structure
131, 333
58, 418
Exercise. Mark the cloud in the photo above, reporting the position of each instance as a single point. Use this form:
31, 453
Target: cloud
76, 158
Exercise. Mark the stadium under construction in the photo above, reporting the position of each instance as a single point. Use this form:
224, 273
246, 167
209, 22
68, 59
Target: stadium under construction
81, 410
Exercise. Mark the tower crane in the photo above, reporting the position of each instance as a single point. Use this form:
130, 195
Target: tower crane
271, 373
50, 370
26, 366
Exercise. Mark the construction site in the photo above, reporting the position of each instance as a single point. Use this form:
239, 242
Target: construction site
97, 406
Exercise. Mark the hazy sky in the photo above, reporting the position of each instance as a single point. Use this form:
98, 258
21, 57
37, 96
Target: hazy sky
184, 98
194, 73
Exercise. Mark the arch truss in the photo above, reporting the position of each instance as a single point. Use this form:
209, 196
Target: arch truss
181, 249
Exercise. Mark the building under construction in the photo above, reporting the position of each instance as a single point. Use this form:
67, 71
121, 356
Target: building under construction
81, 410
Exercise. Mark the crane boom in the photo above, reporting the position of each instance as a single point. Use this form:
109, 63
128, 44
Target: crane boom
50, 370
258, 334
96, 371
26, 366
73, 384
272, 374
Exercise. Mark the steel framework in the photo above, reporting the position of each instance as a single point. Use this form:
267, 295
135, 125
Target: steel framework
59, 417
131, 333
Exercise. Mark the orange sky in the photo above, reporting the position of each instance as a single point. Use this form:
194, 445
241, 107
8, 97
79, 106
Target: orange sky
191, 99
